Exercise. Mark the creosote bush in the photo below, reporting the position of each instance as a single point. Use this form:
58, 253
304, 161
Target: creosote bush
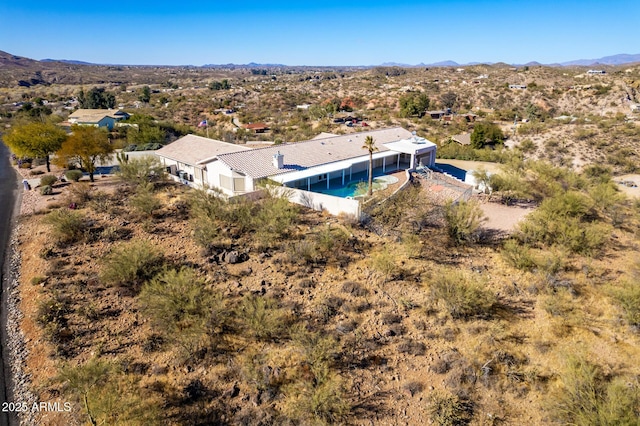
183, 308
131, 264
104, 395
46, 190
587, 397
262, 317
73, 175
145, 201
462, 297
67, 226
464, 219
48, 180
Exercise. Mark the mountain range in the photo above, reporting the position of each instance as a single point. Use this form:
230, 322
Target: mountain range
620, 59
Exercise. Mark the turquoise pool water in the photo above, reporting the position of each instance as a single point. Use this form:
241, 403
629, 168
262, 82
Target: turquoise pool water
350, 189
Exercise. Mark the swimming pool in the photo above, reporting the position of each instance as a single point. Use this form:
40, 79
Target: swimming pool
356, 187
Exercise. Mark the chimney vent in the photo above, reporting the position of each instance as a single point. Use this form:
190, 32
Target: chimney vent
278, 160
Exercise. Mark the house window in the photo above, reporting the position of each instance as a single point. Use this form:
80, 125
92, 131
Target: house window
322, 177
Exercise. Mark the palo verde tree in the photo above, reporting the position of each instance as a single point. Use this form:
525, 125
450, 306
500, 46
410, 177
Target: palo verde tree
35, 139
86, 146
370, 145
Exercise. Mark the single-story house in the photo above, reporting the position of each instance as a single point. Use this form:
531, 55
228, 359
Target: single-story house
462, 139
518, 86
189, 159
256, 127
97, 117
436, 115
330, 161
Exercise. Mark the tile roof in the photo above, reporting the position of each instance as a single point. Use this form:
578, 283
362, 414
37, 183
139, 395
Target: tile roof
95, 115
462, 139
192, 149
258, 163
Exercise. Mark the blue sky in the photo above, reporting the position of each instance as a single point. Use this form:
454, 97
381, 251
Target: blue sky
328, 32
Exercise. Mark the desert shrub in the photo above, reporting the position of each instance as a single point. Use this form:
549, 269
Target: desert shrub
587, 397
182, 307
518, 256
463, 220
302, 252
141, 169
447, 409
106, 395
274, 218
144, 200
48, 180
627, 297
131, 264
38, 280
262, 317
67, 226
80, 193
321, 401
385, 263
566, 219
46, 190
461, 296
73, 175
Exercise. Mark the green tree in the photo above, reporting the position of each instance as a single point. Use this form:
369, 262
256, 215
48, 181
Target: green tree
449, 99
414, 104
96, 98
35, 140
370, 145
484, 133
86, 146
145, 95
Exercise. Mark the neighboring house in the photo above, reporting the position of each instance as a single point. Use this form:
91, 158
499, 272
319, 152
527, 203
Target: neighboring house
596, 72
436, 115
518, 86
470, 117
256, 127
635, 107
97, 117
462, 139
188, 159
331, 161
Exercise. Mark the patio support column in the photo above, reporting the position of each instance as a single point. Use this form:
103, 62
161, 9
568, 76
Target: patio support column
328, 179
398, 165
384, 163
350, 170
308, 184
412, 165
342, 177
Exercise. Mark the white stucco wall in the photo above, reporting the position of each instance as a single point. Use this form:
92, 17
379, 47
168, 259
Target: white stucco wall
322, 202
